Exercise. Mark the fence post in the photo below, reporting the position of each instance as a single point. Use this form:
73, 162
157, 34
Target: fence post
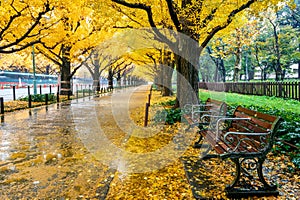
280, 89
28, 88
69, 95
29, 101
46, 99
50, 89
40, 89
14, 92
57, 94
2, 105
146, 115
299, 91
292, 90
149, 98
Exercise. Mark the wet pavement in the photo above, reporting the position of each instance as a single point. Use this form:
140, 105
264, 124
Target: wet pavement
53, 151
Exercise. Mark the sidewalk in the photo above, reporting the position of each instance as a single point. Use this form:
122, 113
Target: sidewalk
44, 152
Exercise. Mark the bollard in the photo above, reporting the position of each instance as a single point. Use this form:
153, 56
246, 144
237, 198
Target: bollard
146, 115
2, 105
46, 99
28, 87
14, 92
29, 101
40, 89
57, 97
57, 94
50, 88
149, 98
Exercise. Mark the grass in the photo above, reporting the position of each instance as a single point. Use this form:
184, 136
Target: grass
287, 105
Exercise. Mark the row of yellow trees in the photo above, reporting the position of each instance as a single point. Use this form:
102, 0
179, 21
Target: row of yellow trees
152, 34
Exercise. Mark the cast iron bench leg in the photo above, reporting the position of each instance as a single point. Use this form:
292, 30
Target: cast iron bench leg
242, 185
261, 176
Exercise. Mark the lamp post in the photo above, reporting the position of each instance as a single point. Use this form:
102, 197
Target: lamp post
33, 66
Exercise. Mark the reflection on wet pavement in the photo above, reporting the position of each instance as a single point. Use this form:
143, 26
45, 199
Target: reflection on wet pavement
42, 155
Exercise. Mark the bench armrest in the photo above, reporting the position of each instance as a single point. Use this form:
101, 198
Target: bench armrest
200, 112
187, 108
201, 105
226, 119
233, 137
212, 116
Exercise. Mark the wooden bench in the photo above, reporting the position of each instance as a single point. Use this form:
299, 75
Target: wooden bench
197, 113
246, 138
204, 115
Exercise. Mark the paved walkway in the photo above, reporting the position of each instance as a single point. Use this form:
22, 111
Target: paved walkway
66, 150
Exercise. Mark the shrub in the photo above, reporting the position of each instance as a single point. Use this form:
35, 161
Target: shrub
39, 98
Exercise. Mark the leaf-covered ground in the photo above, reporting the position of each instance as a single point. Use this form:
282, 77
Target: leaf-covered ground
42, 157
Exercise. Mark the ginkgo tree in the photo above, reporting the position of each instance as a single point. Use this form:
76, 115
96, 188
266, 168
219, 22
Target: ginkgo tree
200, 21
80, 28
96, 64
155, 64
235, 43
23, 23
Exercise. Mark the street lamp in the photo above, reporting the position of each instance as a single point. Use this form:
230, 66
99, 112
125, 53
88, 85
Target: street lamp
33, 66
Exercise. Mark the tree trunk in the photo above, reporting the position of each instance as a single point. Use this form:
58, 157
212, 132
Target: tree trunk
237, 65
278, 69
222, 71
159, 79
188, 74
96, 81
216, 74
124, 80
167, 80
110, 79
119, 79
65, 82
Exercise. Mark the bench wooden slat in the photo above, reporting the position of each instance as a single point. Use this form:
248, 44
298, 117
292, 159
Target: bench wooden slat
246, 126
256, 121
256, 114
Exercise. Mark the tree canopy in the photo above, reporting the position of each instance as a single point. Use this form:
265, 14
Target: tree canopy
65, 33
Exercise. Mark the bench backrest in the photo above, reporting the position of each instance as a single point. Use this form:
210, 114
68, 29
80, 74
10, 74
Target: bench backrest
219, 107
258, 123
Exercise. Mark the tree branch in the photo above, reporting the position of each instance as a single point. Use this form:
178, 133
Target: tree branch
148, 10
229, 20
173, 15
25, 35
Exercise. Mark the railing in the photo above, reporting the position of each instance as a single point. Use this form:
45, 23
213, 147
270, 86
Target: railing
289, 90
